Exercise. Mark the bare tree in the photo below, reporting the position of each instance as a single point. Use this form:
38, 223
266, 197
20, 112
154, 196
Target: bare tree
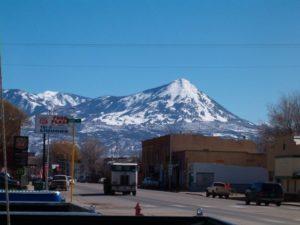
284, 118
14, 119
62, 150
92, 151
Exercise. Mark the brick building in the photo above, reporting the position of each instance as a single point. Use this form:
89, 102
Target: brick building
283, 163
198, 160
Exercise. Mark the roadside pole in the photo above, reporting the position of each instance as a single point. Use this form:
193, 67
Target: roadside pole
73, 161
44, 158
4, 147
170, 170
73, 122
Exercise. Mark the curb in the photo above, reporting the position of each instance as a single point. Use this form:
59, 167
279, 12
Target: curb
243, 199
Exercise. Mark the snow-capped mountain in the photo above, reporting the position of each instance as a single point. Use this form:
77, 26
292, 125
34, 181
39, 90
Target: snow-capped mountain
179, 101
123, 122
34, 104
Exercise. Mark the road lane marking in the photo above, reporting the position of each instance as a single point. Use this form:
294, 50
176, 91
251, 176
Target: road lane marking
148, 206
292, 208
238, 206
178, 206
273, 221
206, 206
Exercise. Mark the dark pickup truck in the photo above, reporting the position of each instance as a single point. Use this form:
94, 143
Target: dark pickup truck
49, 213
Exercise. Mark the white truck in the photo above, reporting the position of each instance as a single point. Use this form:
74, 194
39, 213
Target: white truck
218, 188
120, 177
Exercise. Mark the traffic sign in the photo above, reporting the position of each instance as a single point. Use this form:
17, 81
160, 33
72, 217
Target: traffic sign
74, 120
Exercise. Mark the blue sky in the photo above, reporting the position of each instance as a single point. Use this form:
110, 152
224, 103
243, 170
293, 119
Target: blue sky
244, 79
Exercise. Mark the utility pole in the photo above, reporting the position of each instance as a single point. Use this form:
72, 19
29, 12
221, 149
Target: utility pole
44, 157
170, 169
73, 161
4, 147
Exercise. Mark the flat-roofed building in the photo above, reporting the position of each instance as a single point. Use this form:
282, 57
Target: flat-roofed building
283, 161
195, 160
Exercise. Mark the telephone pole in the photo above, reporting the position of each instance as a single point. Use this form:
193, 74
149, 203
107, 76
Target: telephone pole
4, 146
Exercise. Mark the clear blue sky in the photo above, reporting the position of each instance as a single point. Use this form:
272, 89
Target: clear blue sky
241, 78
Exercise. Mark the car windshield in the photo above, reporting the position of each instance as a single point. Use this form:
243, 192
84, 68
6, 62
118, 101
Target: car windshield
151, 109
219, 184
272, 188
59, 178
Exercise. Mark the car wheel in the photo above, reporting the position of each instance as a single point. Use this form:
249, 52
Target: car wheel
267, 203
278, 203
207, 194
213, 195
258, 203
247, 202
226, 196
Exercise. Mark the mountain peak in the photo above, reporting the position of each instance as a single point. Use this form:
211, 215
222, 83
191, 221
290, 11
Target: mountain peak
47, 93
180, 89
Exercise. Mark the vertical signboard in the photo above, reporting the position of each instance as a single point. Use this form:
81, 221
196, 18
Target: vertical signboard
21, 151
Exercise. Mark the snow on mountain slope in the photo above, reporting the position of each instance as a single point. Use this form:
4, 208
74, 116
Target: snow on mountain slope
34, 104
177, 107
179, 101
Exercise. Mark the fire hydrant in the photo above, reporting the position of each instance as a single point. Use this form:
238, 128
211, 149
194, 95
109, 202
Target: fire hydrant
138, 210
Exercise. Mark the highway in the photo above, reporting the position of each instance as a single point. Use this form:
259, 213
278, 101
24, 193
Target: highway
183, 204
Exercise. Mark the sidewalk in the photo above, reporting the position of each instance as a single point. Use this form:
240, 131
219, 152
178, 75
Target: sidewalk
239, 197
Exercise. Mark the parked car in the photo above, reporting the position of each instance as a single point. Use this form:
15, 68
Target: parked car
12, 184
218, 189
101, 180
71, 181
264, 193
81, 179
149, 182
60, 182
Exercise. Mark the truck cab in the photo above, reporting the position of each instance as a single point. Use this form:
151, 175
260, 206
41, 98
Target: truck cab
120, 177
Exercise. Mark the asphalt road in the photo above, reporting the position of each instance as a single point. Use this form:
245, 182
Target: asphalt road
182, 204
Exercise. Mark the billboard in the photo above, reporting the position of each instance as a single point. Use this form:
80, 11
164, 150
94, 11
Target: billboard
52, 124
20, 151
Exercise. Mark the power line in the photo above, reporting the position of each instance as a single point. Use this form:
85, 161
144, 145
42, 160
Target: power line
157, 45
153, 66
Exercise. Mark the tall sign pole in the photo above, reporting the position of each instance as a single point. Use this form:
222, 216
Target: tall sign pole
4, 146
73, 161
44, 158
73, 122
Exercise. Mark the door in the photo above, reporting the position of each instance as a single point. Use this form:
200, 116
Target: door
124, 180
204, 180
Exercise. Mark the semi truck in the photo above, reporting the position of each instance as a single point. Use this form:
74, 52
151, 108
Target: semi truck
120, 177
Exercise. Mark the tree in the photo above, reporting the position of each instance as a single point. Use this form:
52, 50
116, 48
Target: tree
62, 151
284, 118
92, 151
14, 119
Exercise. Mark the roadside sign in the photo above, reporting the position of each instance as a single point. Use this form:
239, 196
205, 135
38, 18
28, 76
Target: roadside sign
20, 151
74, 120
52, 124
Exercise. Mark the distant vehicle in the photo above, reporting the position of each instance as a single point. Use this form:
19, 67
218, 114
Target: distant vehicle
81, 179
149, 182
60, 182
218, 189
264, 193
120, 177
71, 181
101, 180
12, 184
